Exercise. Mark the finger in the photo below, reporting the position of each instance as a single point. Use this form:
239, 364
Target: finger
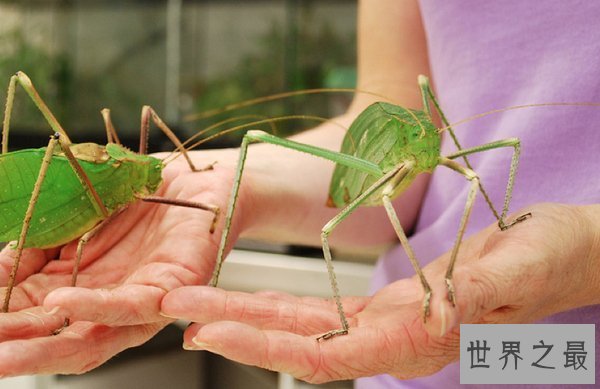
352, 304
33, 290
29, 323
301, 356
125, 305
497, 288
444, 317
77, 349
31, 262
207, 304
479, 289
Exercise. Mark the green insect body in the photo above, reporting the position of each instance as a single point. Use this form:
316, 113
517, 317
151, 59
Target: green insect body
383, 151
64, 211
52, 195
384, 134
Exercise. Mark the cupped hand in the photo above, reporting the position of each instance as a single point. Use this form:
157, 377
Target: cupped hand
126, 270
541, 266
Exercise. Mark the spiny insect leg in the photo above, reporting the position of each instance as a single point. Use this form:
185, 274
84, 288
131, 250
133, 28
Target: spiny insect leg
27, 85
326, 231
148, 113
188, 204
111, 133
471, 176
516, 145
27, 219
387, 203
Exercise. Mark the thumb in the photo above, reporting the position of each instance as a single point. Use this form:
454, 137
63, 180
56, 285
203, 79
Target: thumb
479, 290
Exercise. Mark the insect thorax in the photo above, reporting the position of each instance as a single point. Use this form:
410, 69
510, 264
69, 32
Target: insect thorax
387, 135
414, 137
146, 171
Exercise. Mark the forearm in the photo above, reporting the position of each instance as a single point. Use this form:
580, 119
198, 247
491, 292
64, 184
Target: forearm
286, 191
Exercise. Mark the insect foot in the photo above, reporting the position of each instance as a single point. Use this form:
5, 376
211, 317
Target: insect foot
210, 166
426, 306
504, 227
451, 292
331, 334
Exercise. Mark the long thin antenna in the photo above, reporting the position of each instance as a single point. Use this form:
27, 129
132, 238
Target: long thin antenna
277, 96
173, 156
515, 107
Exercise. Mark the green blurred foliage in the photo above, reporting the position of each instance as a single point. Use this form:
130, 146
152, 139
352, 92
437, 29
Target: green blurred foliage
51, 74
281, 63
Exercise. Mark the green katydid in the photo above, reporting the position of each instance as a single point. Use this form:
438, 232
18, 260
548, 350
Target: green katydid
385, 148
79, 188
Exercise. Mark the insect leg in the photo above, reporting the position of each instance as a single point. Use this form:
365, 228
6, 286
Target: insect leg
27, 219
147, 113
85, 238
84, 179
516, 145
184, 203
471, 176
261, 136
347, 160
10, 97
27, 85
387, 203
426, 90
328, 228
111, 133
425, 93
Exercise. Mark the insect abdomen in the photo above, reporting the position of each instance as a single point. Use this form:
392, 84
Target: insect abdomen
63, 211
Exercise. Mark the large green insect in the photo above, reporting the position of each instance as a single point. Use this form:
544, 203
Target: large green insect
55, 194
385, 148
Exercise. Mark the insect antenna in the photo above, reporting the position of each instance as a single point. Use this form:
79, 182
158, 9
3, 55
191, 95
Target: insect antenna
277, 96
175, 153
449, 127
264, 99
226, 121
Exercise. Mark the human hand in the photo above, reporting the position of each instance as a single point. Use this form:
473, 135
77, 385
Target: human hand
539, 267
126, 270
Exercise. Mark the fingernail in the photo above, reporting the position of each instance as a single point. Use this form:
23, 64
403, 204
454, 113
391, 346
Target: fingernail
165, 315
199, 345
449, 319
195, 346
51, 311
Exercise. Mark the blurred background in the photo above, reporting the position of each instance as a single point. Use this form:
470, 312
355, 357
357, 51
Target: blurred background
182, 57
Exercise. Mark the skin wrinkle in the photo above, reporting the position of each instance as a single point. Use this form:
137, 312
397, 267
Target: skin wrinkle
25, 260
31, 296
231, 301
140, 318
290, 317
486, 289
169, 279
317, 371
388, 341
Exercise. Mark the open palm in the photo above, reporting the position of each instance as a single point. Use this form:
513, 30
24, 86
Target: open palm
126, 270
512, 276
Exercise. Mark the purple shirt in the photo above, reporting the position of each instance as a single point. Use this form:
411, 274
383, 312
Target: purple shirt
492, 54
